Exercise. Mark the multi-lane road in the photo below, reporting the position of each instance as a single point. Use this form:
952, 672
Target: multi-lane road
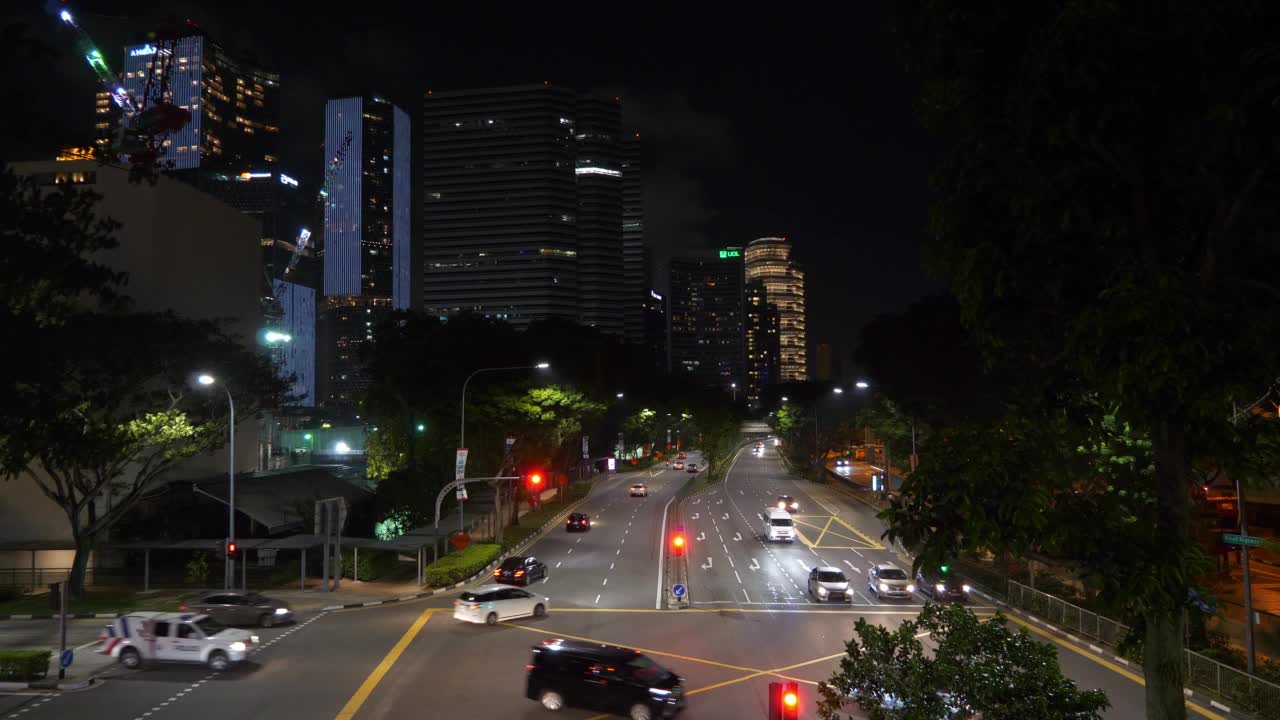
750, 622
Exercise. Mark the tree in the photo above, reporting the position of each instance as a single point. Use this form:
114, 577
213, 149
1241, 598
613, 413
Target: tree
114, 412
1106, 223
977, 668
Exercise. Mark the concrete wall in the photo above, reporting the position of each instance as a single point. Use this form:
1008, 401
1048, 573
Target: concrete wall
183, 250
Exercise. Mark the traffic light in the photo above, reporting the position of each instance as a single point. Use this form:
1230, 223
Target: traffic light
677, 544
784, 701
945, 569
535, 481
233, 550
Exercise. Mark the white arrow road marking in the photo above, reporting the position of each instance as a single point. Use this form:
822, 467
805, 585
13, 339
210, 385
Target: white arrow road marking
719, 502
855, 567
737, 536
695, 516
741, 493
701, 537
802, 565
708, 565
695, 502
726, 516
755, 565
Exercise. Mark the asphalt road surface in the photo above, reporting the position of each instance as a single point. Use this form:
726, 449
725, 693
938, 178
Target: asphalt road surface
751, 622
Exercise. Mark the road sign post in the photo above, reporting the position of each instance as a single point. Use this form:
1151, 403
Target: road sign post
1249, 540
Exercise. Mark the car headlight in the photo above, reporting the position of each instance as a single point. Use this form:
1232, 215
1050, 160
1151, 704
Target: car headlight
966, 588
282, 611
822, 590
911, 588
940, 587
782, 506
253, 639
884, 587
238, 646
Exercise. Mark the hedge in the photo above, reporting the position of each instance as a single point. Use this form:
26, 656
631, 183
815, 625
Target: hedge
23, 665
374, 564
457, 567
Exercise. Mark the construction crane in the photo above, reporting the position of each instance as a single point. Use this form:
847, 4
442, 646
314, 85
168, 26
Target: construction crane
147, 120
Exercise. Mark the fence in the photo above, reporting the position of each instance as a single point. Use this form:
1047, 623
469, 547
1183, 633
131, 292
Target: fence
1203, 673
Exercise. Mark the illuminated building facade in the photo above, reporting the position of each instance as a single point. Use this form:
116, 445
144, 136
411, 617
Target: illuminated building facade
654, 328
706, 336
522, 205
768, 260
234, 105
636, 280
761, 338
366, 236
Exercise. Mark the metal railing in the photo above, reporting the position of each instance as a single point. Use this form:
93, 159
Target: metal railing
31, 578
1203, 673
1063, 614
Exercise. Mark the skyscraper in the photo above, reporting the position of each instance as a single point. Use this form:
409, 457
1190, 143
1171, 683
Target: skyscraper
706, 337
761, 337
367, 235
636, 281
768, 259
522, 205
234, 105
654, 332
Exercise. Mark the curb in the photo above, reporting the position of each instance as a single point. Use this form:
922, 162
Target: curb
63, 686
1084, 642
70, 616
533, 537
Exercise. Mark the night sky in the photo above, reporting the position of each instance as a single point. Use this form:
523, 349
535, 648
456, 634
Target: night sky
785, 122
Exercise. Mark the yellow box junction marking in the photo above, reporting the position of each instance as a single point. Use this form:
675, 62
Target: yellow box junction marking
843, 537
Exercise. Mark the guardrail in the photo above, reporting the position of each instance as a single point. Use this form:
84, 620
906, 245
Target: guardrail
1203, 673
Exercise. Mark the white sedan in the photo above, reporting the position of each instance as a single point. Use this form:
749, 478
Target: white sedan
490, 603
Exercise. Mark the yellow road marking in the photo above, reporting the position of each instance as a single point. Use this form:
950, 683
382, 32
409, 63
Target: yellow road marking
825, 528
862, 541
798, 611
1108, 664
366, 688
775, 671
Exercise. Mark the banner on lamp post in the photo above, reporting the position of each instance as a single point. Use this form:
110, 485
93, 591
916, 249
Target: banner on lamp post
586, 452
460, 466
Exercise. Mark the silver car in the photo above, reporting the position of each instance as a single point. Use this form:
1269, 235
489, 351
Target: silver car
235, 608
889, 580
829, 584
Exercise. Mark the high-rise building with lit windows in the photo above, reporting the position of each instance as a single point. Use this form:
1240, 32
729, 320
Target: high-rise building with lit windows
522, 205
366, 236
706, 338
768, 260
761, 338
234, 104
636, 280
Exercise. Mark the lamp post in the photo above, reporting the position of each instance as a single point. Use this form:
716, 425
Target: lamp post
229, 578
462, 429
734, 387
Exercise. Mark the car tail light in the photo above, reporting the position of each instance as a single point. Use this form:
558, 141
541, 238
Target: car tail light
182, 607
528, 667
497, 572
519, 573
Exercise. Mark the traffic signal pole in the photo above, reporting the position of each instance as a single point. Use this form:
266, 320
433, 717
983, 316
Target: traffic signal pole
435, 544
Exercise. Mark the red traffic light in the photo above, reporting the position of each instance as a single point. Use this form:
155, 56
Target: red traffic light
232, 549
790, 701
677, 544
535, 479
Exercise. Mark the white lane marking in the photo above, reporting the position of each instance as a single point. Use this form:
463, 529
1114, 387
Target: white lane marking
657, 598
735, 574
726, 548
858, 553
570, 552
611, 566
855, 567
745, 595
802, 565
926, 632
557, 563
578, 541
606, 582
597, 599
730, 558
708, 565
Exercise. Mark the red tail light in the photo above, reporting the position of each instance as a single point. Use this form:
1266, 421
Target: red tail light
519, 573
497, 572
182, 607
528, 667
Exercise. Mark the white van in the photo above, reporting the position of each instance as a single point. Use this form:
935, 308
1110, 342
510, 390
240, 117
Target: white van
778, 526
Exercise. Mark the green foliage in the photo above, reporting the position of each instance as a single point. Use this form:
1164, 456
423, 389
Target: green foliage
374, 564
975, 668
198, 569
23, 665
459, 566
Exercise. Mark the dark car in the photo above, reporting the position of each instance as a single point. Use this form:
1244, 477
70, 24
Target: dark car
942, 586
602, 677
234, 608
577, 522
693, 467
517, 570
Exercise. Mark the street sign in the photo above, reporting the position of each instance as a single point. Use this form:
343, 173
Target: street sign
68, 655
459, 540
460, 468
678, 590
1249, 540
461, 493
613, 465
511, 440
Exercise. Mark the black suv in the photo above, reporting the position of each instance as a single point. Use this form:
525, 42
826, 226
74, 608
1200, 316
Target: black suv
577, 521
517, 570
602, 677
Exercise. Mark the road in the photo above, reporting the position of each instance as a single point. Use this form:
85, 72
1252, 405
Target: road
750, 622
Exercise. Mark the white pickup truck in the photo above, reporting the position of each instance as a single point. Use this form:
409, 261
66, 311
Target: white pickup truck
175, 637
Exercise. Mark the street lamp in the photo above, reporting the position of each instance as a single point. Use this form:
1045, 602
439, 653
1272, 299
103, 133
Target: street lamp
207, 380
785, 398
862, 385
619, 396
734, 387
462, 429
838, 390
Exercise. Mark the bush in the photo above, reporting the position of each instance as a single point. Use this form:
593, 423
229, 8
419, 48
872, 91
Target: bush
457, 567
374, 564
23, 665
